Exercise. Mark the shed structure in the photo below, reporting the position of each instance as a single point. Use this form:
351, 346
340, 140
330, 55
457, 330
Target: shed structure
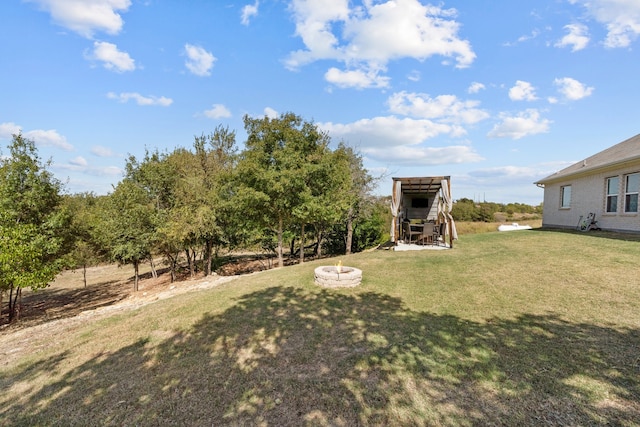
422, 199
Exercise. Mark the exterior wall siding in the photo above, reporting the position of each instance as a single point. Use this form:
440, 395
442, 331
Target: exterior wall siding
588, 195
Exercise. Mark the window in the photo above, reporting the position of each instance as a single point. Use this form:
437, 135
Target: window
613, 184
565, 196
419, 203
631, 187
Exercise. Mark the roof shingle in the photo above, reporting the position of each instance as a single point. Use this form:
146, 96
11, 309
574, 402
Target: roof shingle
622, 152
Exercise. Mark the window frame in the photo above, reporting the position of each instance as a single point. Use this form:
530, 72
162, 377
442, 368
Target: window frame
609, 197
565, 204
631, 197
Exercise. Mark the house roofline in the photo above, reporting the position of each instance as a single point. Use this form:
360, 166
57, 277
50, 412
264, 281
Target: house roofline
586, 171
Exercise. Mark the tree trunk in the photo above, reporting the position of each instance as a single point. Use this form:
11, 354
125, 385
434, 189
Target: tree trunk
190, 262
319, 243
154, 272
84, 274
136, 268
280, 243
349, 241
172, 266
302, 244
15, 304
208, 255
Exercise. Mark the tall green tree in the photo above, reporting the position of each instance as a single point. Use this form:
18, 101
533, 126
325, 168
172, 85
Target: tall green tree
357, 191
86, 250
198, 220
128, 225
34, 227
274, 169
156, 176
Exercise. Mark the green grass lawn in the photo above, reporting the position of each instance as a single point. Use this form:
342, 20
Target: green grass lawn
522, 328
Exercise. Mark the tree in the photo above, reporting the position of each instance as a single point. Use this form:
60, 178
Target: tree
328, 193
273, 171
86, 250
128, 225
360, 186
215, 156
34, 227
157, 177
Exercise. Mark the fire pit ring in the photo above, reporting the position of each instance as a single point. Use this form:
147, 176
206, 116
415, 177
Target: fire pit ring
332, 277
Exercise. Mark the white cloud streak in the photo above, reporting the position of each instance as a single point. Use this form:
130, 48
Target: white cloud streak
358, 79
621, 18
48, 138
522, 91
100, 151
86, 17
271, 113
572, 89
372, 35
112, 58
248, 12
8, 129
525, 123
43, 138
218, 111
445, 108
577, 37
140, 99
199, 61
475, 87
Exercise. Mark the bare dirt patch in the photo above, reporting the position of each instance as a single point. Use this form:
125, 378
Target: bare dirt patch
110, 288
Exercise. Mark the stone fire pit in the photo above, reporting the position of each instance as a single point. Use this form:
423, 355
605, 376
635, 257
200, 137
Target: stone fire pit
338, 277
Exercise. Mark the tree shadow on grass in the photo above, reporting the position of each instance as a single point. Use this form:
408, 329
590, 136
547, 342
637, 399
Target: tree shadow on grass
285, 356
49, 304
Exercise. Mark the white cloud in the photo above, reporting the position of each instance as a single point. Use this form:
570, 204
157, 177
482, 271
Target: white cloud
141, 100
534, 34
389, 131
271, 113
423, 156
620, 17
8, 129
100, 151
44, 138
522, 91
358, 79
475, 87
79, 161
577, 37
112, 58
446, 108
508, 172
373, 34
48, 138
249, 11
217, 112
199, 61
86, 17
414, 76
525, 123
82, 166
572, 89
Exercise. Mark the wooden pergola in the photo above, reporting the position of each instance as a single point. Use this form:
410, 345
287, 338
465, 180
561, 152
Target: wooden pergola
422, 198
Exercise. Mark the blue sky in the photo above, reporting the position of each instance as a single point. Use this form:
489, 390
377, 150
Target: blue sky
495, 94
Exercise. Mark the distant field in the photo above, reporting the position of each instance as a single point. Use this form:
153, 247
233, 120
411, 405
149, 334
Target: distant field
522, 328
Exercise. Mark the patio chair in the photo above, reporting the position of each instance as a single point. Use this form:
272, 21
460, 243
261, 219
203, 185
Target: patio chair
408, 232
428, 235
438, 233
